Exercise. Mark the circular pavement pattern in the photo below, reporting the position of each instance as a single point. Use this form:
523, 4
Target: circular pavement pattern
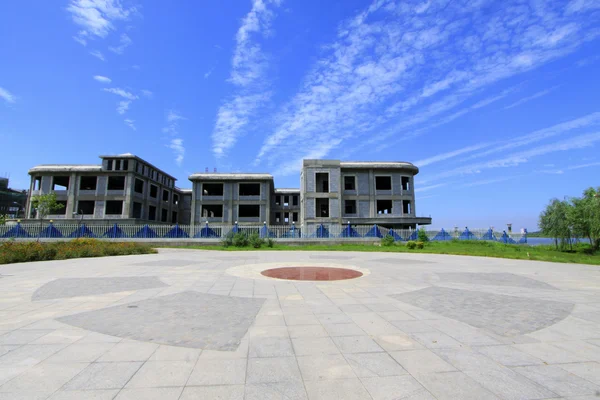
312, 273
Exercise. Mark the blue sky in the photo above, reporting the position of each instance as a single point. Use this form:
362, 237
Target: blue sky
496, 102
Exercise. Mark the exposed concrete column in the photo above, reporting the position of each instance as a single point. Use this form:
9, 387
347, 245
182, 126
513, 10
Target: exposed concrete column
372, 206
128, 203
72, 190
192, 208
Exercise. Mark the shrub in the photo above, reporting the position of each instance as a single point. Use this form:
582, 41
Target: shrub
422, 235
387, 240
256, 241
270, 242
228, 239
420, 245
240, 240
411, 245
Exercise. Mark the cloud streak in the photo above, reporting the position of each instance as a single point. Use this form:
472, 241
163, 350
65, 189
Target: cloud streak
97, 17
121, 92
98, 55
7, 96
175, 141
124, 42
102, 79
529, 98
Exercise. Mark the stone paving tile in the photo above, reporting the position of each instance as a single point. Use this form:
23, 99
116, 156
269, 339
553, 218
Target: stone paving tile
304, 331
397, 315
61, 336
268, 331
339, 318
356, 344
346, 389
325, 367
558, 380
229, 392
349, 329
85, 394
73, 287
25, 395
218, 372
7, 373
421, 361
269, 320
155, 393
270, 347
580, 348
466, 359
435, 340
22, 336
509, 356
80, 352
276, 391
269, 370
392, 387
29, 355
496, 279
453, 386
373, 324
129, 351
174, 353
397, 342
549, 353
300, 319
412, 326
105, 375
161, 374
4, 349
314, 346
374, 364
43, 377
508, 384
587, 370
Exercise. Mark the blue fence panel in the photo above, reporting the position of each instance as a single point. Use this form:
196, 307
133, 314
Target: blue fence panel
176, 232
82, 231
206, 233
374, 232
349, 231
114, 233
394, 235
16, 232
489, 235
50, 232
467, 235
146, 232
442, 235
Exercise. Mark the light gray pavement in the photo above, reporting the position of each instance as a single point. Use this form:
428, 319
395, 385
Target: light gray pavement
190, 324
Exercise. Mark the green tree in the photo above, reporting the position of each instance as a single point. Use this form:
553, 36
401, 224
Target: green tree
554, 221
44, 204
2, 219
584, 216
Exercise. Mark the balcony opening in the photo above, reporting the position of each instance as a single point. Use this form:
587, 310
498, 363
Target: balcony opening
62, 210
349, 183
137, 210
60, 183
86, 207
322, 182
212, 189
139, 186
212, 210
405, 183
165, 196
278, 200
249, 211
350, 206
114, 207
152, 213
295, 200
278, 217
125, 165
286, 217
383, 183
175, 199
286, 201
174, 217
153, 191
384, 206
37, 183
295, 217
164, 215
406, 207
109, 165
249, 189
322, 208
88, 182
118, 183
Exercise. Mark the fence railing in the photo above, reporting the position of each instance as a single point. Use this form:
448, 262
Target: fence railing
217, 232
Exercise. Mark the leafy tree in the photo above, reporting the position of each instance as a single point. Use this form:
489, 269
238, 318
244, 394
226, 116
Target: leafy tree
422, 235
45, 204
2, 219
554, 222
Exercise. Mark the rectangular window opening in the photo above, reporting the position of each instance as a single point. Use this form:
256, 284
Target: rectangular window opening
137, 210
406, 207
37, 183
277, 217
349, 183
322, 181
286, 217
165, 195
62, 210
286, 201
383, 183
249, 189
174, 217
350, 206
60, 183
322, 208
109, 165
86, 207
125, 165
384, 206
212, 210
114, 207
88, 182
295, 200
249, 211
117, 183
139, 186
295, 217
164, 215
152, 213
405, 183
278, 200
212, 189
175, 199
153, 191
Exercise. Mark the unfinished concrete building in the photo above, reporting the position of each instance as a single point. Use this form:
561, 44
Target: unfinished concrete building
359, 193
285, 207
122, 187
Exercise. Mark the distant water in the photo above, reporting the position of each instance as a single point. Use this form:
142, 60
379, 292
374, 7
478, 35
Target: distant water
539, 241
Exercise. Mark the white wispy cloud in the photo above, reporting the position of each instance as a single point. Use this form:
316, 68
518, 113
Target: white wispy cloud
430, 187
124, 42
529, 98
123, 106
177, 146
450, 154
130, 123
208, 73
419, 64
147, 93
98, 55
97, 17
587, 165
121, 92
102, 79
7, 96
174, 116
248, 67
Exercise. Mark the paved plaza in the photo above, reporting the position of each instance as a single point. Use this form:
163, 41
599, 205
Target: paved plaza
186, 324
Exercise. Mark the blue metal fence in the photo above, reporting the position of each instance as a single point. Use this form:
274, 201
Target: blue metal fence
216, 231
